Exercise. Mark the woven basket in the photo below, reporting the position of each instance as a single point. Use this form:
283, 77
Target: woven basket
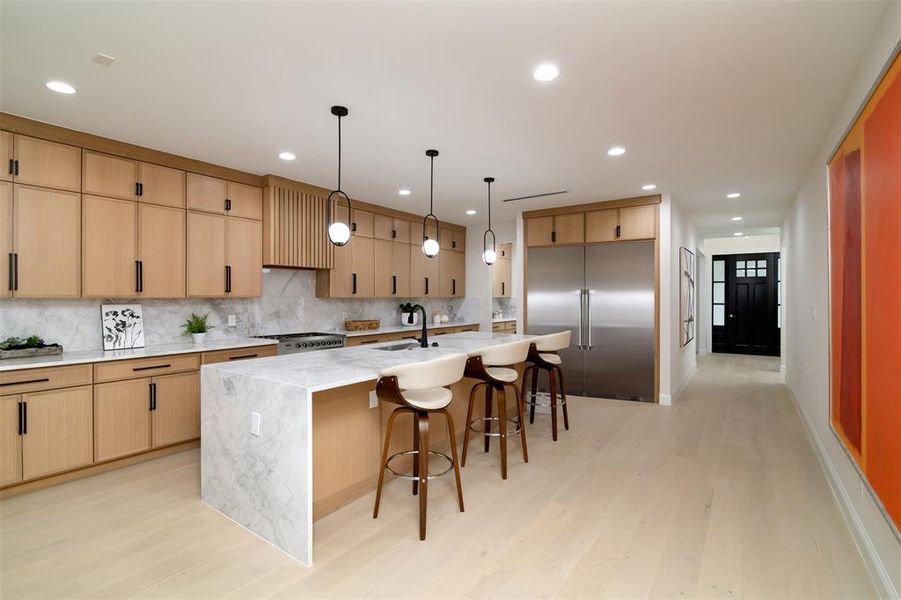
362, 325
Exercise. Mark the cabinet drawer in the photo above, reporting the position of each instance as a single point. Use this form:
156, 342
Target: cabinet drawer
145, 367
47, 378
209, 358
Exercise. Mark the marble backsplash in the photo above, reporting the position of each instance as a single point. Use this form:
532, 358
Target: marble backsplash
505, 306
288, 304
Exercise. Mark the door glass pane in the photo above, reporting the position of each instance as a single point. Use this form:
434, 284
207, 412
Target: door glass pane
779, 318
761, 272
752, 273
779, 292
739, 272
719, 314
719, 270
719, 293
739, 264
779, 268
761, 264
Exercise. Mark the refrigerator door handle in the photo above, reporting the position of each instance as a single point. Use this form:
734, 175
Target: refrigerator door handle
581, 312
588, 312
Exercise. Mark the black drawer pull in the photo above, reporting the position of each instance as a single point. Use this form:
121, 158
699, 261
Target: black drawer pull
503, 291
618, 230
165, 366
243, 356
44, 380
354, 283
228, 204
453, 287
16, 168
16, 269
370, 342
393, 233
24, 418
553, 236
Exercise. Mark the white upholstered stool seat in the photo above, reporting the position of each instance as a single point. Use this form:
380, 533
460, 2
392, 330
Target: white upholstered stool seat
429, 398
551, 358
503, 373
552, 341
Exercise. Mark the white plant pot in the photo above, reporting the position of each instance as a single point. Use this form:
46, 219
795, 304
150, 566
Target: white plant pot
198, 337
405, 315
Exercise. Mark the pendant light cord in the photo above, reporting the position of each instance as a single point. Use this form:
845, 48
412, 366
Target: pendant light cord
432, 185
339, 152
489, 205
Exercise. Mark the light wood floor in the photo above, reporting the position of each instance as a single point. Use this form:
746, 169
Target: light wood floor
720, 495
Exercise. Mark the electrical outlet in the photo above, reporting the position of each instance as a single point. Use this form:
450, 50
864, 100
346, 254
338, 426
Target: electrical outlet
256, 423
232, 320
373, 399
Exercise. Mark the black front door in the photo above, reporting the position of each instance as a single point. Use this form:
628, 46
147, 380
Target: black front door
745, 317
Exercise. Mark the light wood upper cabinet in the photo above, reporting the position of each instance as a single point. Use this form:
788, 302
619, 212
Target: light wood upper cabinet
47, 242
400, 256
361, 223
6, 238
111, 176
452, 271
121, 418
353, 275
47, 164
601, 225
7, 157
459, 240
161, 251
59, 431
446, 238
505, 251
161, 185
245, 201
109, 247
383, 258
502, 272
206, 272
245, 257
539, 231
416, 232
569, 229
383, 227
176, 413
362, 268
638, 222
10, 440
424, 274
207, 194
401, 230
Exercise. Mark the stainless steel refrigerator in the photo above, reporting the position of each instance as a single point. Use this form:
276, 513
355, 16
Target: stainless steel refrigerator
604, 294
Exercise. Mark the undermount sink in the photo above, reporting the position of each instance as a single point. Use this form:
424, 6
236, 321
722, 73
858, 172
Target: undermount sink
395, 347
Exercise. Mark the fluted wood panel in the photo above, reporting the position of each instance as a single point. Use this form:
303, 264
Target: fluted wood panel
294, 232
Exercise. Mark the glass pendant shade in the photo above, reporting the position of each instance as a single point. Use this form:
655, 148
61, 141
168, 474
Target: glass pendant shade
489, 256
339, 233
430, 247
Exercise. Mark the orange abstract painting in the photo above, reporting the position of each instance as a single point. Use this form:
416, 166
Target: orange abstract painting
865, 292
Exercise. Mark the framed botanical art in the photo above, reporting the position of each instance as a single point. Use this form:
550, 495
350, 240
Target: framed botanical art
864, 177
122, 326
686, 296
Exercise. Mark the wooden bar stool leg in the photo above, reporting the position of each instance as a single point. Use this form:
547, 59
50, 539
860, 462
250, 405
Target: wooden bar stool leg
522, 427
502, 427
563, 397
384, 463
553, 381
525, 385
453, 444
472, 400
416, 456
489, 393
423, 434
534, 395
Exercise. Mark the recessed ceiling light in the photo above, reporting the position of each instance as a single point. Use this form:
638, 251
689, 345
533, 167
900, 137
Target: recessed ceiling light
286, 155
546, 72
616, 151
736, 218
733, 195
649, 187
404, 192
738, 234
60, 87
470, 212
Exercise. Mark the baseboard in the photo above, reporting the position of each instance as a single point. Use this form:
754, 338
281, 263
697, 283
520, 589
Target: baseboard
876, 567
668, 399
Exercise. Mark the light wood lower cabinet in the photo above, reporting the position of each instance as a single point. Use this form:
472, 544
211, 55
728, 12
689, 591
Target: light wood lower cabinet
47, 242
176, 411
57, 431
121, 418
10, 440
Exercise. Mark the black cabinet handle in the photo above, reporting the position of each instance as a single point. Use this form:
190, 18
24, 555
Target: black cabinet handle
21, 420
393, 233
15, 271
375, 341
426, 286
553, 237
165, 366
141, 190
228, 279
394, 284
137, 189
354, 282
11, 166
243, 356
353, 226
503, 290
618, 229
152, 396
453, 287
24, 418
12, 272
43, 380
228, 204
139, 276
16, 167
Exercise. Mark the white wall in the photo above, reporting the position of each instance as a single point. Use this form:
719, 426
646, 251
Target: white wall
806, 337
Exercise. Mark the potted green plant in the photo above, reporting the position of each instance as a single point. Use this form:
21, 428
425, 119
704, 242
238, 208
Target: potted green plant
197, 326
15, 347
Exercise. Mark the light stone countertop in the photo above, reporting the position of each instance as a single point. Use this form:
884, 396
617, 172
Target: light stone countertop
93, 356
503, 320
338, 367
403, 328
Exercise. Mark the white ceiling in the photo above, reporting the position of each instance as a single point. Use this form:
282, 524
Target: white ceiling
707, 97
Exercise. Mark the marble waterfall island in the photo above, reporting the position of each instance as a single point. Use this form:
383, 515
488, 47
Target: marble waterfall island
263, 479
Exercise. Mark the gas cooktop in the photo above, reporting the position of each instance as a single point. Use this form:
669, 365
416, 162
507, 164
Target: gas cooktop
291, 343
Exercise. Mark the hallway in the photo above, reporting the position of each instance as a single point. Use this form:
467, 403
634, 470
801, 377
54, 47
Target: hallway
720, 495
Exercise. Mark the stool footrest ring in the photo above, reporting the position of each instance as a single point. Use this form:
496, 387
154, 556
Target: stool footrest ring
560, 400
516, 422
410, 476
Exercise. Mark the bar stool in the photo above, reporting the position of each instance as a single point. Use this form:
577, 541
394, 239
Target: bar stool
420, 389
543, 356
492, 367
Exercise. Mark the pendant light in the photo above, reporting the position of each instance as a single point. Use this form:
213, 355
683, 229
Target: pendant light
431, 247
338, 232
489, 253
